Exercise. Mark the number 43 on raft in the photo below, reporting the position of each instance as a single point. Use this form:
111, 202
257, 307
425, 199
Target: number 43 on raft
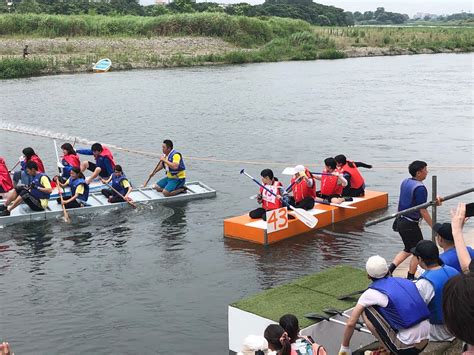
277, 220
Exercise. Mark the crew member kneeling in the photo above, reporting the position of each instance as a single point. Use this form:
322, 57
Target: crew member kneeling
35, 196
355, 182
332, 183
269, 202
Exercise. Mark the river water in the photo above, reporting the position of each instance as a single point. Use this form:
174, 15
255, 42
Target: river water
159, 281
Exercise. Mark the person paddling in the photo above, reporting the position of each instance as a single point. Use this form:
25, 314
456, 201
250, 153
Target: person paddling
303, 186
331, 185
35, 196
171, 161
355, 182
104, 162
6, 183
120, 183
267, 200
79, 189
69, 160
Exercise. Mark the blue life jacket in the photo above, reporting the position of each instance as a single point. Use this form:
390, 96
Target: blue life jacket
105, 165
116, 183
407, 197
181, 165
438, 279
74, 184
34, 187
405, 306
450, 257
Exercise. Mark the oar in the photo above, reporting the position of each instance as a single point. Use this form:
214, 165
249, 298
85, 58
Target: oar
57, 157
66, 215
152, 173
416, 208
333, 312
122, 196
304, 216
352, 294
323, 202
14, 166
319, 317
290, 171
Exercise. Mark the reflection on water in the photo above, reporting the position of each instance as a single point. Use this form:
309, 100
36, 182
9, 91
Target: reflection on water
159, 279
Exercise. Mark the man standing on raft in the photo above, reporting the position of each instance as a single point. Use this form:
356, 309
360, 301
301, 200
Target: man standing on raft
172, 161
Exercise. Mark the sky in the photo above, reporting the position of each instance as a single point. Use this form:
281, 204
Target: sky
409, 7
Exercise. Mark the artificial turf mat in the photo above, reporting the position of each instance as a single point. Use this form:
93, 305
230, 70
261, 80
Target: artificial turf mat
308, 294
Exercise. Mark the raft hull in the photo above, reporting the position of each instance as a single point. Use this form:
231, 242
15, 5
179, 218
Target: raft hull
98, 203
255, 231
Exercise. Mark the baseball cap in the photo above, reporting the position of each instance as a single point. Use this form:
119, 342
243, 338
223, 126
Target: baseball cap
426, 249
254, 343
376, 267
299, 169
444, 230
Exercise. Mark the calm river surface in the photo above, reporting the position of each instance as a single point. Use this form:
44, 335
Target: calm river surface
159, 281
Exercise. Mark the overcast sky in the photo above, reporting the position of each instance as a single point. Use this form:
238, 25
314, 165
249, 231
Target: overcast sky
409, 7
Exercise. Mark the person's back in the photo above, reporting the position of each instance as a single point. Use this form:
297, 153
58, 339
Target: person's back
6, 183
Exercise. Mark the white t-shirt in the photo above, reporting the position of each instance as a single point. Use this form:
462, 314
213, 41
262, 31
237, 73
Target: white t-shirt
412, 335
438, 332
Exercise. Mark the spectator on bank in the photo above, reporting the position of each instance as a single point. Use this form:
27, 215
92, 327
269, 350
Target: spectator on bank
458, 309
458, 218
445, 240
278, 340
300, 344
430, 285
401, 327
25, 52
254, 345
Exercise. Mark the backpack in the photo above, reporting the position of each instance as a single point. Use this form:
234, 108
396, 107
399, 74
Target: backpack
307, 346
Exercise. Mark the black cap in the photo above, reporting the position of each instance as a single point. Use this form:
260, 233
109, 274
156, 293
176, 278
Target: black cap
427, 250
444, 230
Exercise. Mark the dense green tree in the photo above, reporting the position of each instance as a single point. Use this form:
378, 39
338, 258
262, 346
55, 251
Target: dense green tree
28, 6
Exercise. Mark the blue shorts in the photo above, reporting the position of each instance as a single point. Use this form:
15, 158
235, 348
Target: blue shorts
170, 184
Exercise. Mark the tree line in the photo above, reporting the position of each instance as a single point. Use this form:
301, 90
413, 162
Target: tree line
307, 10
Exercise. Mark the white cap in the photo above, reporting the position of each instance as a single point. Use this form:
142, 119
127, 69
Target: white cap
253, 343
376, 267
299, 169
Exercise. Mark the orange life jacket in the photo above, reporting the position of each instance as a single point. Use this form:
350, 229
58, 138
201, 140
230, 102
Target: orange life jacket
269, 201
301, 189
356, 180
329, 185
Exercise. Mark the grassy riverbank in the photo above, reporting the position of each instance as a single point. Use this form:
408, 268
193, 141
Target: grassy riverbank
60, 44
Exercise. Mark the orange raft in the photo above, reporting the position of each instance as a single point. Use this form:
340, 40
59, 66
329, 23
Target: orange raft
255, 230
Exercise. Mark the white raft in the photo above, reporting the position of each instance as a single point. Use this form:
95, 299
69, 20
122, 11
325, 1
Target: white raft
98, 202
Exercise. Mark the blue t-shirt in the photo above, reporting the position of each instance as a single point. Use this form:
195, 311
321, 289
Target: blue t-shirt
450, 258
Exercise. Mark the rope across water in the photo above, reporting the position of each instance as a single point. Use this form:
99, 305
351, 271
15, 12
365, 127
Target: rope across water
55, 135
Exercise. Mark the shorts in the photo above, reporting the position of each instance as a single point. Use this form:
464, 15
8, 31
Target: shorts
410, 233
171, 184
388, 335
92, 166
31, 201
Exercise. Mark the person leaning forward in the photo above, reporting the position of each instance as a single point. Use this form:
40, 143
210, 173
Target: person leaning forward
392, 309
36, 196
172, 161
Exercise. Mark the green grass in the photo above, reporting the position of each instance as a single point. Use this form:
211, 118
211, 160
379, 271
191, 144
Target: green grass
20, 68
309, 294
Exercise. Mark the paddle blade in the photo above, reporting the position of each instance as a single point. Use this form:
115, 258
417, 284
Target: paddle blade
316, 317
242, 171
304, 216
332, 312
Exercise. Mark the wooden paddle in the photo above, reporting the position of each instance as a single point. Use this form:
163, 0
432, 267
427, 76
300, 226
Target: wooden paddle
66, 215
122, 196
14, 166
304, 216
151, 175
319, 317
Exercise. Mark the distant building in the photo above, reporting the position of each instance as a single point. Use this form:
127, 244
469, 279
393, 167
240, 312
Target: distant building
161, 2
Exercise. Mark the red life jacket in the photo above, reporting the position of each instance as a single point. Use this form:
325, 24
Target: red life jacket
72, 160
270, 202
329, 185
5, 180
38, 161
301, 189
356, 180
108, 154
